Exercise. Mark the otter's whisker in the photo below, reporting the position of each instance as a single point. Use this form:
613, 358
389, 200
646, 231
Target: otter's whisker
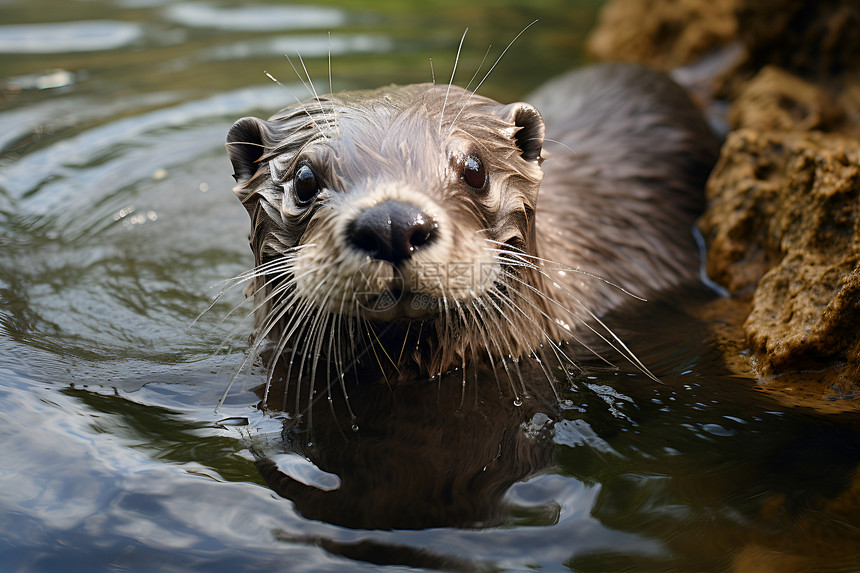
323, 325
309, 85
511, 353
280, 307
475, 75
547, 338
300, 103
463, 384
335, 351
522, 256
313, 121
339, 369
373, 340
529, 319
405, 340
285, 337
314, 89
384, 351
274, 79
626, 352
253, 351
234, 282
273, 294
451, 82
289, 375
481, 324
487, 75
501, 354
290, 327
315, 337
561, 143
330, 85
447, 319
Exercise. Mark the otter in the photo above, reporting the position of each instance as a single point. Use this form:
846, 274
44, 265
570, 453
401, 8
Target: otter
404, 232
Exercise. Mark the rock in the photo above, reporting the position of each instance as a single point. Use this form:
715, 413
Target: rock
777, 100
814, 38
783, 220
664, 35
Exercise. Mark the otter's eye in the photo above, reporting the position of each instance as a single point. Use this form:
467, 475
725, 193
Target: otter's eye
305, 186
474, 173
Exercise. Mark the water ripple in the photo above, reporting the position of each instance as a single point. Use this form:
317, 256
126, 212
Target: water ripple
256, 18
63, 37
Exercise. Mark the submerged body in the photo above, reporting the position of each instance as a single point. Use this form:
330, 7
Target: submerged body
411, 230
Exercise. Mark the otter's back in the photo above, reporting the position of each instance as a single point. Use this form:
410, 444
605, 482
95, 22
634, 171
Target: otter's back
628, 155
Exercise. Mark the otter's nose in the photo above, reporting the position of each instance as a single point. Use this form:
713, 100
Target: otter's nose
391, 231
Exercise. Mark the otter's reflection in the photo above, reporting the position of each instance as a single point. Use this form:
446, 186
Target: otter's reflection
428, 454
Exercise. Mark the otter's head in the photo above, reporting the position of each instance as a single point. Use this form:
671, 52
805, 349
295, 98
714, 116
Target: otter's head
395, 226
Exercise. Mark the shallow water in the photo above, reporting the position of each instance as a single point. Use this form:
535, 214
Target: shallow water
117, 228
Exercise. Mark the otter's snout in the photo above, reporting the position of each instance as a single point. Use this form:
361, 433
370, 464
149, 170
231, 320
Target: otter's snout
391, 231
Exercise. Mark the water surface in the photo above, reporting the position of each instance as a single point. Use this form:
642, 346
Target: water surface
117, 228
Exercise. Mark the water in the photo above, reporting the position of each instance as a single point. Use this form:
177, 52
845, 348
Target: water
117, 226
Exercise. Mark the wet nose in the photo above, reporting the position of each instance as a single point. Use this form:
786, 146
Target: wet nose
391, 231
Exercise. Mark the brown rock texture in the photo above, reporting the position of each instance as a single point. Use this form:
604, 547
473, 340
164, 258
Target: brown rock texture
818, 38
783, 221
775, 100
665, 34
814, 38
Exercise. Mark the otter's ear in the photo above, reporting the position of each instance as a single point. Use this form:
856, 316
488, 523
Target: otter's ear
246, 142
530, 129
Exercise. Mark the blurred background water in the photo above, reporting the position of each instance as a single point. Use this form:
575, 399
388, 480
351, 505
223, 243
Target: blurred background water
117, 228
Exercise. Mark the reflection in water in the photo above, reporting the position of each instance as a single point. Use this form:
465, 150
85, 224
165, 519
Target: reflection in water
699, 471
719, 474
416, 455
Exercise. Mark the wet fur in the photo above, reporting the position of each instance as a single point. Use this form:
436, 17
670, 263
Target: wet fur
610, 206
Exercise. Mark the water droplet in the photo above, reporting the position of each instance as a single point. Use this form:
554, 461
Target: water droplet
354, 427
124, 212
518, 402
